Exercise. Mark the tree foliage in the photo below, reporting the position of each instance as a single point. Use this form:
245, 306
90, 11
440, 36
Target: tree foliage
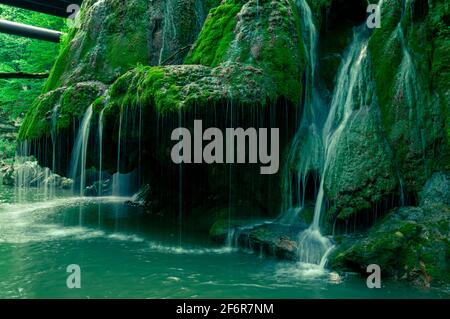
19, 54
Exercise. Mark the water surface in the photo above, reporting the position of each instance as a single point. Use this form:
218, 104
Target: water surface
123, 254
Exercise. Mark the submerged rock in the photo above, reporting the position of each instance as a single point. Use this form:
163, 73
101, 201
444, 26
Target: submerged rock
271, 239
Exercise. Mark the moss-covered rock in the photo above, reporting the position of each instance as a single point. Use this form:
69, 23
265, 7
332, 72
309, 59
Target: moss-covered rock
173, 88
63, 106
414, 114
436, 189
264, 34
114, 37
361, 173
410, 243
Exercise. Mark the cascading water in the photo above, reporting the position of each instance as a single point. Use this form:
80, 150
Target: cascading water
349, 95
79, 152
100, 150
314, 146
308, 135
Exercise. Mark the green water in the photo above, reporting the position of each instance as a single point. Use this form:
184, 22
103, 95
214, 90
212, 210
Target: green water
123, 254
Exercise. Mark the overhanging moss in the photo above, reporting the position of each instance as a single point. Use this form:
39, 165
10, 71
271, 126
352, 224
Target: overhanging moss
171, 88
36, 122
65, 104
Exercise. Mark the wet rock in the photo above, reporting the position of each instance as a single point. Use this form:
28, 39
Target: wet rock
265, 238
66, 183
361, 172
54, 180
7, 173
410, 243
26, 172
413, 109
436, 190
270, 239
140, 198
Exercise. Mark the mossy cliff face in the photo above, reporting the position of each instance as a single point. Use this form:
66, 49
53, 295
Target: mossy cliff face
238, 59
62, 105
243, 70
362, 173
173, 88
387, 155
262, 34
115, 35
410, 74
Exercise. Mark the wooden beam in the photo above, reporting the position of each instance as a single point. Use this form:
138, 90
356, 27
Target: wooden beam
23, 75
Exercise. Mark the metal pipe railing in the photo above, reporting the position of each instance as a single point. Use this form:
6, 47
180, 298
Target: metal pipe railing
29, 31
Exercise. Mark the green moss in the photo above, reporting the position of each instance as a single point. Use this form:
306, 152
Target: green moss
216, 36
270, 38
54, 79
266, 36
171, 88
413, 112
121, 49
409, 243
386, 53
72, 102
36, 122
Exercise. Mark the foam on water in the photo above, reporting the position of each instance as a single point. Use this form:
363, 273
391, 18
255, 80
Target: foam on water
178, 250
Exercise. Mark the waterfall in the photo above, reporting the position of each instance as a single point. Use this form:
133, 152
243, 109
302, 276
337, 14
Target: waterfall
100, 151
306, 150
314, 145
79, 152
53, 134
311, 35
349, 95
116, 176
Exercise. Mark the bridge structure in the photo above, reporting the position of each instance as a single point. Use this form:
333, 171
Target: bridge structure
59, 8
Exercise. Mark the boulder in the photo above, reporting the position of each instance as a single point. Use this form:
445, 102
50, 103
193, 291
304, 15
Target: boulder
410, 243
